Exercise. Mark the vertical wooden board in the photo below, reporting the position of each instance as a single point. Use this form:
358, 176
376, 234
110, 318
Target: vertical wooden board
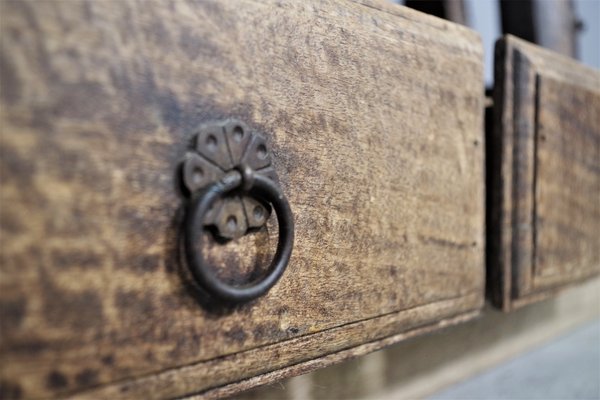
374, 115
543, 229
567, 189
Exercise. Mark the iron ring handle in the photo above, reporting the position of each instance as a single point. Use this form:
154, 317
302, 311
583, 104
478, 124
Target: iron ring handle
255, 185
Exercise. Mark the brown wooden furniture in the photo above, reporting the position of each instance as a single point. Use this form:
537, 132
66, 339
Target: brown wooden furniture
544, 228
373, 113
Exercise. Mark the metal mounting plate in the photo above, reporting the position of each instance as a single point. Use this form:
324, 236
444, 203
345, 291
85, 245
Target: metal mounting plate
218, 148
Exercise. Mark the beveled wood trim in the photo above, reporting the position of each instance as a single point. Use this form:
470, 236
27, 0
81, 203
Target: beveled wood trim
303, 354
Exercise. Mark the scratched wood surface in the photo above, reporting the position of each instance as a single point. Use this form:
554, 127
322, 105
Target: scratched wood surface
545, 174
374, 116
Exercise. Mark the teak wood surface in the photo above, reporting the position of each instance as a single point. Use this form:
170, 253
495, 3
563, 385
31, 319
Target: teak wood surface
374, 116
545, 174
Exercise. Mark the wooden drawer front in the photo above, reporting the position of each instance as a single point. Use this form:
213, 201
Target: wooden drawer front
374, 115
548, 179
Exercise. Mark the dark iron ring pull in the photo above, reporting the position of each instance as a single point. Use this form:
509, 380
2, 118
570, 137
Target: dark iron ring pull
256, 185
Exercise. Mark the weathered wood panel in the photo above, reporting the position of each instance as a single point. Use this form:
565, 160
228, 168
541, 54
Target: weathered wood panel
545, 225
374, 115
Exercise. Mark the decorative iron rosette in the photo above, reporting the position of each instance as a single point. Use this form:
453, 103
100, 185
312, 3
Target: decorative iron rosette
219, 148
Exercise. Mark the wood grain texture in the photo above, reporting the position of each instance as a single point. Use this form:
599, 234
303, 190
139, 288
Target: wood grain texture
544, 175
286, 358
322, 362
374, 115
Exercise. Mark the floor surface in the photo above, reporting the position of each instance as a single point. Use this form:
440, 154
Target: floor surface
567, 368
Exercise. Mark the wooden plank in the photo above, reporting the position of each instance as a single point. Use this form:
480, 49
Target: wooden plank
567, 191
545, 223
374, 115
307, 353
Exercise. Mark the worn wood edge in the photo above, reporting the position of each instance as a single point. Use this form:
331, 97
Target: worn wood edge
499, 178
508, 247
505, 261
420, 17
212, 374
551, 282
564, 68
523, 77
545, 294
328, 360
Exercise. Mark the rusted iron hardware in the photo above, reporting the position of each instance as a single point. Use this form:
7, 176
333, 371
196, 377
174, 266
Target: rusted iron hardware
219, 148
233, 188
